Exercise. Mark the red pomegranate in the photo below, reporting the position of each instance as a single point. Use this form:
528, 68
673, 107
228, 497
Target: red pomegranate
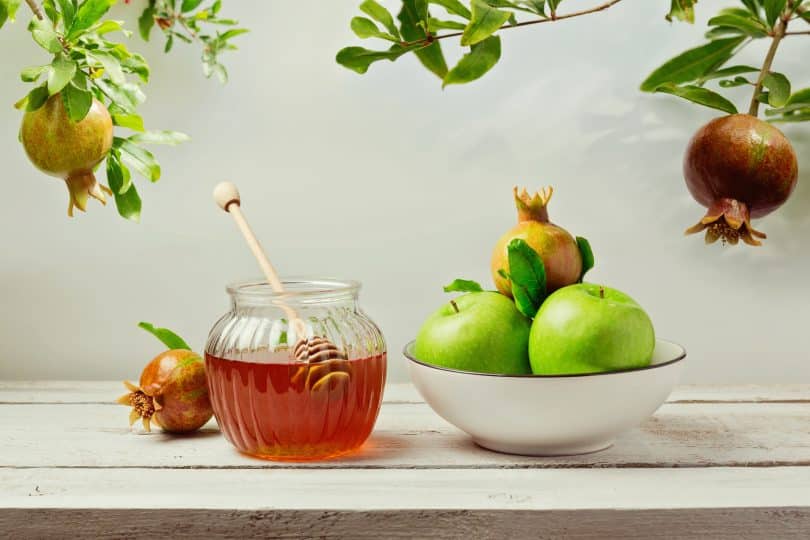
738, 167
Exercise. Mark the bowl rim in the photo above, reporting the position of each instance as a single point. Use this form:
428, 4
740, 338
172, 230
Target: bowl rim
682, 355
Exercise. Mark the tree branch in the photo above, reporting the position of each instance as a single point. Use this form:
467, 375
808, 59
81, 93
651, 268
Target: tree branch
35, 8
554, 17
807, 32
778, 33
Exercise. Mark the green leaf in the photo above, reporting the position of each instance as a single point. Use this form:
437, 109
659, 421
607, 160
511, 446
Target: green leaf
8, 10
32, 74
366, 28
800, 96
435, 25
732, 83
747, 25
683, 10
720, 32
145, 23
586, 253
454, 7
88, 14
528, 276
166, 336
463, 285
68, 9
126, 96
45, 35
171, 138
486, 20
773, 8
190, 5
728, 72
136, 64
232, 33
118, 176
381, 15
476, 63
129, 121
77, 102
36, 98
108, 27
432, 58
60, 73
359, 59
699, 95
752, 6
778, 89
111, 65
692, 64
799, 117
138, 158
414, 18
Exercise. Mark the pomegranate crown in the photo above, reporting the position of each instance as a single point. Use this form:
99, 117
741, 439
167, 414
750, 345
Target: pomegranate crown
533, 207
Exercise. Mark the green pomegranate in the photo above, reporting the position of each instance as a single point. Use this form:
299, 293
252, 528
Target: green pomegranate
70, 150
555, 245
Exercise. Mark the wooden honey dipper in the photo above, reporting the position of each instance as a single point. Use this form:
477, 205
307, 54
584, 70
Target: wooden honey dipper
310, 350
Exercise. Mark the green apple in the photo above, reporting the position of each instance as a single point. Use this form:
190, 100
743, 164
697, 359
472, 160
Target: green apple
587, 328
479, 331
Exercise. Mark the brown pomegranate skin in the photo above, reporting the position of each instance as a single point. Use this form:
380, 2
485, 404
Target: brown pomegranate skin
60, 147
176, 380
558, 249
741, 158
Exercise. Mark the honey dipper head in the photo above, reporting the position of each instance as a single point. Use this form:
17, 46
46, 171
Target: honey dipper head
225, 193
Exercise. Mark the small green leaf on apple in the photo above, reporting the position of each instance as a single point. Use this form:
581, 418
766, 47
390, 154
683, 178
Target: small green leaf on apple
587, 256
463, 285
528, 277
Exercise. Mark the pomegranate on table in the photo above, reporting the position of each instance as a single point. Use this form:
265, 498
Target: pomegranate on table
173, 393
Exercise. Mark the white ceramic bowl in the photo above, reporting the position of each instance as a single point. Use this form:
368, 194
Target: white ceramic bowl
548, 415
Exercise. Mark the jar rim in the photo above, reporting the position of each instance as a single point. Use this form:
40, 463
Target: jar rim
305, 288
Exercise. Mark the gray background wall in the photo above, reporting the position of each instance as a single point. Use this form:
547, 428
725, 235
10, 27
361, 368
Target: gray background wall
390, 180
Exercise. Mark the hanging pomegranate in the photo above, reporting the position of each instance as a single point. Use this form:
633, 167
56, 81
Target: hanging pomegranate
738, 167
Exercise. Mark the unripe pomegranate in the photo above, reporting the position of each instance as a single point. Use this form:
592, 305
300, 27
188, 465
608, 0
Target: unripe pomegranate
173, 393
739, 167
70, 150
558, 249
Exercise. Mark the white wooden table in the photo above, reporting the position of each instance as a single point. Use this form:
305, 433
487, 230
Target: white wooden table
713, 462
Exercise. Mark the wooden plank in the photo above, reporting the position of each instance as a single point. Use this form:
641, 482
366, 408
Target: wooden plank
386, 489
413, 436
575, 503
665, 524
107, 391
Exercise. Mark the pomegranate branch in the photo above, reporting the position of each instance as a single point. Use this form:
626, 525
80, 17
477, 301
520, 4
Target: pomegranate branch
778, 33
554, 17
35, 9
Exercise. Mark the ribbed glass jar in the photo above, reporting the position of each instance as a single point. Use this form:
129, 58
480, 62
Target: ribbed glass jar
297, 375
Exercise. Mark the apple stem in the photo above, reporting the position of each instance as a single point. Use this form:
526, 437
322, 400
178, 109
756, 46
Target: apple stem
455, 306
601, 292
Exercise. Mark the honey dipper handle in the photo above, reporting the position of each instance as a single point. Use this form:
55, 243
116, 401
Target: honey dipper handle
227, 197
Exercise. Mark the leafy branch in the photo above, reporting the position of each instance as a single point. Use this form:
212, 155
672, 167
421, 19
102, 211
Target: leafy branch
86, 66
419, 32
687, 74
187, 24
